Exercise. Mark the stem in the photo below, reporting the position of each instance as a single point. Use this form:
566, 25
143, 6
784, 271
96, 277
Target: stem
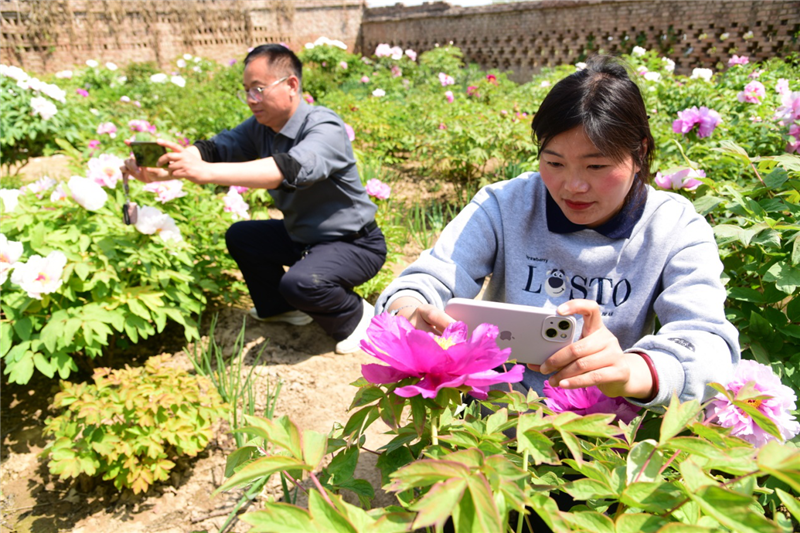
758, 175
435, 430
293, 480
321, 489
644, 466
669, 462
522, 511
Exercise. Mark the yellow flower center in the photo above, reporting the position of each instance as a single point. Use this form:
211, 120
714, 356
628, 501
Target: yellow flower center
44, 278
754, 402
4, 258
444, 342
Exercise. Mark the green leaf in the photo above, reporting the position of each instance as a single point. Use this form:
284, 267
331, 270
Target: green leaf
263, 467
745, 294
327, 518
590, 521
237, 457
6, 338
644, 462
426, 472
733, 510
44, 365
652, 497
706, 204
790, 502
538, 446
589, 489
785, 276
343, 465
694, 476
677, 417
639, 523
418, 414
783, 462
495, 421
24, 327
314, 447
477, 513
437, 505
20, 371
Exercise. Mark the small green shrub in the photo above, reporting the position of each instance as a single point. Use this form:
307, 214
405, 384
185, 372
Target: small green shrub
132, 423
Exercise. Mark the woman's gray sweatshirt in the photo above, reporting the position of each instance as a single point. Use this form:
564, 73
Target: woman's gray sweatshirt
664, 264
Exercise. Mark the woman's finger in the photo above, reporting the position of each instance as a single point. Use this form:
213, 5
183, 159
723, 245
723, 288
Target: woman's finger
175, 147
592, 316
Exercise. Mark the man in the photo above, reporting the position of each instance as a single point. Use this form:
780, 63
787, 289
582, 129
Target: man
328, 237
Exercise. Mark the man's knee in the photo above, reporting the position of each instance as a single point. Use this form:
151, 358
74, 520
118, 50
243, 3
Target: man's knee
236, 236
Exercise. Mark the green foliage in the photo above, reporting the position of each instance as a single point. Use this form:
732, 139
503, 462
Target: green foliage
131, 424
479, 465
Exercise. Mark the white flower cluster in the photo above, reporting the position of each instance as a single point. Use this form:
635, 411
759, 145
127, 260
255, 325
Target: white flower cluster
26, 82
325, 41
40, 275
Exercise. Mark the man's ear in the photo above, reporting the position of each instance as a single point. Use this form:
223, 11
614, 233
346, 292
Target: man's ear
294, 84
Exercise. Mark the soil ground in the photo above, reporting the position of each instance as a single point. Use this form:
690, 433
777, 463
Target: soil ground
316, 393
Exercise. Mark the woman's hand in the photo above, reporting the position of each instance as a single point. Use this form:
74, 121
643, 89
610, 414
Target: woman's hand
597, 359
424, 317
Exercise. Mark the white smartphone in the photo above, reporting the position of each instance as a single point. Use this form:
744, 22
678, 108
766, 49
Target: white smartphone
532, 333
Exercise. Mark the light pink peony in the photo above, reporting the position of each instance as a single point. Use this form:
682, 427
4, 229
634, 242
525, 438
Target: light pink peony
682, 179
449, 96
166, 190
738, 60
778, 405
107, 128
151, 221
10, 252
40, 275
105, 170
752, 93
235, 205
378, 189
446, 79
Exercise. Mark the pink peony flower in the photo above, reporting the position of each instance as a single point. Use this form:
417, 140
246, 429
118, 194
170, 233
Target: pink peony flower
442, 126
93, 144
383, 50
378, 189
752, 93
588, 401
107, 127
738, 60
82, 92
151, 221
445, 79
141, 125
682, 179
351, 134
782, 87
343, 65
473, 91
105, 170
706, 118
450, 360
411, 54
235, 204
39, 186
777, 406
396, 72
10, 252
449, 96
239, 189
58, 193
364, 79
308, 98
789, 109
166, 190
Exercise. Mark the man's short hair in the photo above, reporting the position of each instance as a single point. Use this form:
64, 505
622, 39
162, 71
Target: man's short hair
281, 60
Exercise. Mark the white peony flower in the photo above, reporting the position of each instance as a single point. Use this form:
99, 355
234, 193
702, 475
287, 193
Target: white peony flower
235, 204
178, 80
181, 63
702, 74
378, 93
87, 193
652, 76
43, 107
111, 66
187, 57
64, 74
10, 252
580, 66
40, 275
92, 63
10, 198
58, 193
158, 78
638, 51
39, 185
152, 221
669, 64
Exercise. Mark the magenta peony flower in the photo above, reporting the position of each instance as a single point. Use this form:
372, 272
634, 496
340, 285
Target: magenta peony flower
588, 401
93, 144
777, 407
239, 189
706, 118
308, 98
752, 93
450, 360
473, 91
682, 179
378, 189
738, 60
82, 92
491, 78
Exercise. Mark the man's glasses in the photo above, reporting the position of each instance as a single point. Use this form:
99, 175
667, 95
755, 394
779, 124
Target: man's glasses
258, 93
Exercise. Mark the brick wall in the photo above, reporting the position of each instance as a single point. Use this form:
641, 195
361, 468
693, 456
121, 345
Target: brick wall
526, 36
50, 35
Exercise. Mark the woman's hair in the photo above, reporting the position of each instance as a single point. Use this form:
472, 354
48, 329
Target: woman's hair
608, 104
281, 60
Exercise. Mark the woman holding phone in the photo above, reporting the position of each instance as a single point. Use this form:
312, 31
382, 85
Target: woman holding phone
588, 236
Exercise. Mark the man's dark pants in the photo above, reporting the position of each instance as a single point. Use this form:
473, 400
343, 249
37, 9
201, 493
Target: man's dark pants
320, 278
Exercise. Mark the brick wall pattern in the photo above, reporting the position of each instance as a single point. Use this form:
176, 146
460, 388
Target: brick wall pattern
525, 36
51, 35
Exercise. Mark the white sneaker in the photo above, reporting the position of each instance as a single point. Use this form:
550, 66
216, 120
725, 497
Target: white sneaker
295, 318
353, 342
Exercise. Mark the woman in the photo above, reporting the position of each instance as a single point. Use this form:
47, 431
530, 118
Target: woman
621, 253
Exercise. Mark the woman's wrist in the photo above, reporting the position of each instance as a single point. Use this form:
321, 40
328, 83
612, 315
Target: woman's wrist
643, 385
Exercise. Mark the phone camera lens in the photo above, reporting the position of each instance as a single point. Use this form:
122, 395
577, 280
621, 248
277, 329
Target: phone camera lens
563, 325
551, 333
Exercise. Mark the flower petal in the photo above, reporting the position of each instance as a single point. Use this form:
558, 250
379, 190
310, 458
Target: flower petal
380, 374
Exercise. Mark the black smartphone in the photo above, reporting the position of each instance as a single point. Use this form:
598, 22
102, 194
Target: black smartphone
147, 153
